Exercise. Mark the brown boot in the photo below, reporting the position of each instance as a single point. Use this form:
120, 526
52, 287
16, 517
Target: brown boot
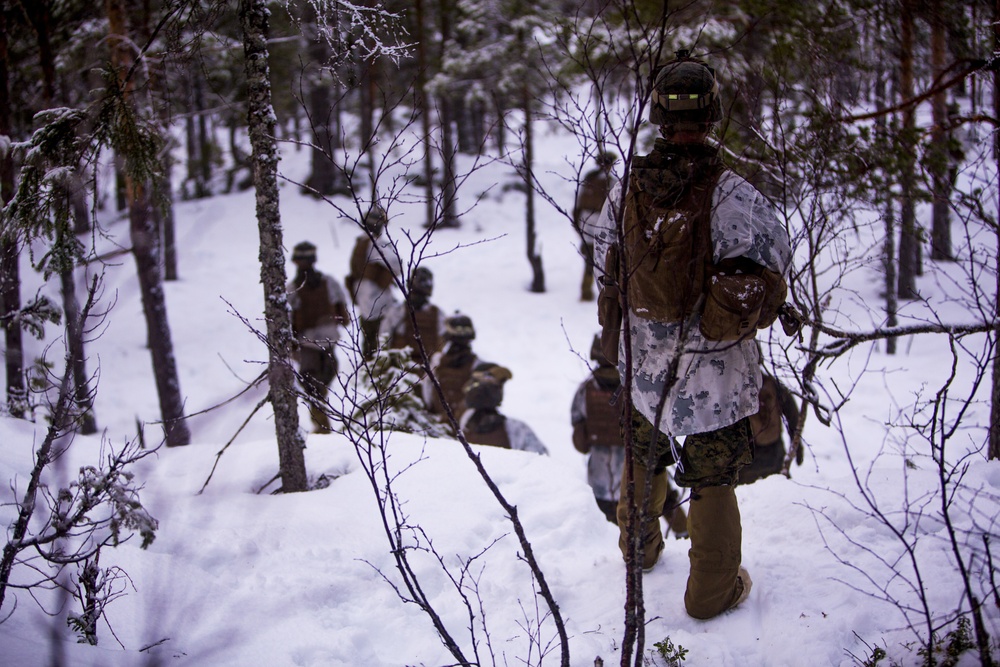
715, 582
652, 538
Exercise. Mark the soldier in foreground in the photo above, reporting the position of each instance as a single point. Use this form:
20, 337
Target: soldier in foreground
701, 256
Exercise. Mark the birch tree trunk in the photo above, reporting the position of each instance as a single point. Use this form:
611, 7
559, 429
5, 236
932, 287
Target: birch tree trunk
145, 249
261, 124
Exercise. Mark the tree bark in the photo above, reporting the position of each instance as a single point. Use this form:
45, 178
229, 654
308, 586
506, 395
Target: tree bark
909, 237
534, 259
422, 104
889, 205
261, 124
940, 139
994, 443
324, 176
10, 272
145, 249
449, 190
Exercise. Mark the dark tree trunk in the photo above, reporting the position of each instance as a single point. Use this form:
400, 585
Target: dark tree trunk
909, 234
422, 104
145, 249
994, 444
260, 117
534, 259
74, 341
449, 190
40, 16
940, 140
324, 177
196, 139
10, 272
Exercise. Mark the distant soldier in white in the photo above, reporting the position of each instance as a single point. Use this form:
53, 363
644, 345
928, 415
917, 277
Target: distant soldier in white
776, 401
483, 424
319, 309
590, 200
452, 366
371, 276
597, 432
397, 324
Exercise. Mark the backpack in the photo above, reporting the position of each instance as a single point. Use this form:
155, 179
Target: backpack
593, 191
361, 268
667, 234
668, 254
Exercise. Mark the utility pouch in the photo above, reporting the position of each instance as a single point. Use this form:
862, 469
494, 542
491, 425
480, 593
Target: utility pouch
609, 306
776, 290
732, 306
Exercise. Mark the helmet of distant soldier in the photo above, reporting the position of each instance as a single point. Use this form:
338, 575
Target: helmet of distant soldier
422, 281
304, 252
459, 327
484, 390
375, 219
606, 159
685, 92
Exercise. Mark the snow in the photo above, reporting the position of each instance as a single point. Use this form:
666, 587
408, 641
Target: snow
240, 578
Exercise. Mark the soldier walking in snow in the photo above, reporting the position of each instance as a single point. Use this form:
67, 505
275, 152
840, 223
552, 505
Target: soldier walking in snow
319, 309
700, 254
369, 282
483, 424
452, 366
597, 432
397, 324
594, 190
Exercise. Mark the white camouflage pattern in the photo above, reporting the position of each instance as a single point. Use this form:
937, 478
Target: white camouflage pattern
718, 382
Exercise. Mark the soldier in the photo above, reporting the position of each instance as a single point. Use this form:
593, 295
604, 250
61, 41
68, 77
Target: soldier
319, 309
372, 271
483, 424
695, 235
397, 325
590, 200
776, 401
452, 366
597, 432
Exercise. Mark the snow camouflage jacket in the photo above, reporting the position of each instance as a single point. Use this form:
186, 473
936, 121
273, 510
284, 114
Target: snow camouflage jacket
718, 382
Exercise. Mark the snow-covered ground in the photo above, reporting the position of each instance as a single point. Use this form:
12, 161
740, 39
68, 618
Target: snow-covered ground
238, 578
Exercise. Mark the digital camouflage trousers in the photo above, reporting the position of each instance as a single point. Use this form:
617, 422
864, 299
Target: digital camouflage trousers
713, 458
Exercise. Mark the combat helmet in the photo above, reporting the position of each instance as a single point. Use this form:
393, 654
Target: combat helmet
606, 159
375, 219
304, 252
459, 327
685, 92
422, 281
484, 390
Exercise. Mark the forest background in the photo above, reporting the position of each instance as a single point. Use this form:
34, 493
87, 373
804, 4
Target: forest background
871, 125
